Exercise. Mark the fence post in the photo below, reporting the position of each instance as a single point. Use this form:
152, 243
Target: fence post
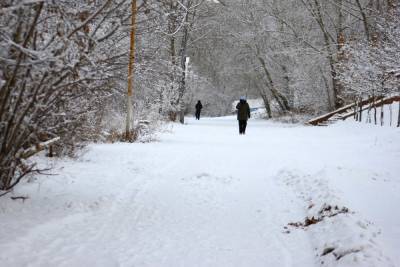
369, 111
51, 153
375, 120
355, 110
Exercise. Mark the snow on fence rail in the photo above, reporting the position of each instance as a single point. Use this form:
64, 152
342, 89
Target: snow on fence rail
39, 147
341, 110
379, 103
357, 109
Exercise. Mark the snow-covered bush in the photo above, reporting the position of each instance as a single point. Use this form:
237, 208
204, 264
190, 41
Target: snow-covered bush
369, 68
63, 70
54, 75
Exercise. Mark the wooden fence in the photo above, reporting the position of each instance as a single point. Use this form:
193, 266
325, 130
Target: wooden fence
356, 110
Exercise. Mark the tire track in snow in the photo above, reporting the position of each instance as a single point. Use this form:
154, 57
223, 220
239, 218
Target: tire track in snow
65, 235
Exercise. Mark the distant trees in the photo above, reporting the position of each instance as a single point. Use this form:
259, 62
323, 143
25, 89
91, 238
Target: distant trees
181, 19
163, 52
296, 54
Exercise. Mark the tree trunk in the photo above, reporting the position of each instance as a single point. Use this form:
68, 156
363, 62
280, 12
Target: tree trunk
369, 111
328, 93
182, 82
398, 117
355, 110
172, 26
182, 55
375, 119
266, 105
129, 115
328, 40
281, 99
288, 90
364, 19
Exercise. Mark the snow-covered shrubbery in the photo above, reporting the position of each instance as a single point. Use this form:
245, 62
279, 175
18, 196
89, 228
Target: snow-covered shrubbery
55, 68
370, 67
63, 70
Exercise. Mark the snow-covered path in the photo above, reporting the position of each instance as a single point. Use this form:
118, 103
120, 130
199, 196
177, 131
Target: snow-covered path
205, 196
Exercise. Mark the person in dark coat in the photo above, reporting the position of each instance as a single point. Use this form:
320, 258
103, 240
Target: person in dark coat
198, 107
243, 114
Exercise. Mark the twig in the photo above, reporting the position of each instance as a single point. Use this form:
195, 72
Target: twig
23, 198
5, 193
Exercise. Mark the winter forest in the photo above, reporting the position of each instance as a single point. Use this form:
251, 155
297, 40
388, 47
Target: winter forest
102, 162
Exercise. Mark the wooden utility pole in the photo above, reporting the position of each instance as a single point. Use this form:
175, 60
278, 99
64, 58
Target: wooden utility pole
129, 115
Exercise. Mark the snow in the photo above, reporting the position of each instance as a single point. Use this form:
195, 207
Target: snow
203, 195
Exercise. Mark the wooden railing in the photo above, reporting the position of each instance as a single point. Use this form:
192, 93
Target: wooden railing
355, 109
39, 147
342, 110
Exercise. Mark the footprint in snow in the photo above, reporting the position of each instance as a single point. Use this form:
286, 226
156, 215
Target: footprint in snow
202, 175
207, 178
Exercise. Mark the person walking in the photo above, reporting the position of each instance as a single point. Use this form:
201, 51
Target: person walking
198, 107
243, 114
